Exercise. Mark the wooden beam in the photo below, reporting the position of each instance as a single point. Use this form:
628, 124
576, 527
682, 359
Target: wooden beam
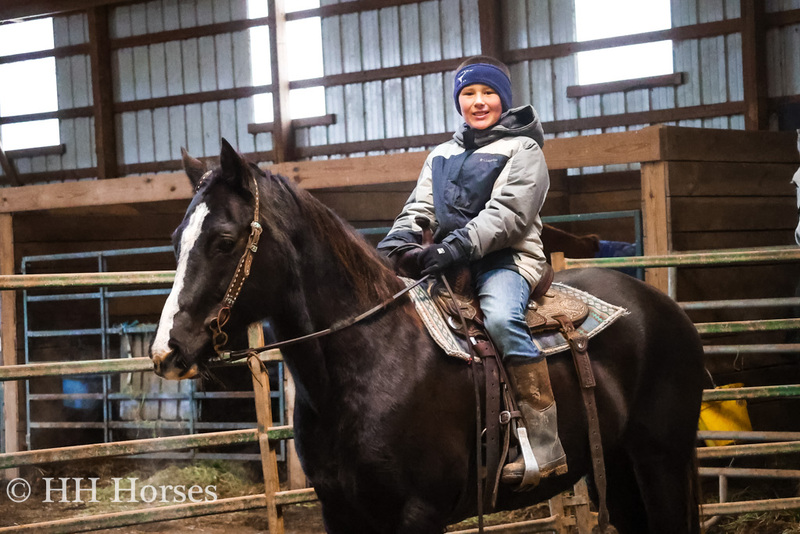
390, 168
8, 342
57, 176
679, 33
283, 143
707, 144
188, 33
390, 143
52, 150
266, 127
347, 7
191, 98
754, 64
372, 75
148, 188
490, 22
578, 91
105, 135
20, 9
8, 168
783, 18
68, 113
653, 143
604, 149
654, 116
58, 52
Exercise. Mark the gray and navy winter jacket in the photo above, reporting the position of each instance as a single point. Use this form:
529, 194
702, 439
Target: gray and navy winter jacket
484, 190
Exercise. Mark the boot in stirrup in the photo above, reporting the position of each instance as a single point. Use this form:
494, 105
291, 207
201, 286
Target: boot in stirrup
530, 382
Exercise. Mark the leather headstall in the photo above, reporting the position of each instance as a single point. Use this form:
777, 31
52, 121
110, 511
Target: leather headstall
219, 337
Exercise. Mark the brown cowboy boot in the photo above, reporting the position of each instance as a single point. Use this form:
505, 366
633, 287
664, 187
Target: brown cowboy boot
530, 382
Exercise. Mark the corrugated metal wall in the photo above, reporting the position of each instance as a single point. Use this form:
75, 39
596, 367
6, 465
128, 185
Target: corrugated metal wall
713, 64
391, 37
544, 82
783, 53
388, 37
179, 67
74, 87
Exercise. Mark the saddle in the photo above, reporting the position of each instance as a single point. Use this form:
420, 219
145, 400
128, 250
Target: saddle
549, 309
546, 303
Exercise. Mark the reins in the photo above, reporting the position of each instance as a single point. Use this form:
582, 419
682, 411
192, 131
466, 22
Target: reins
235, 355
220, 338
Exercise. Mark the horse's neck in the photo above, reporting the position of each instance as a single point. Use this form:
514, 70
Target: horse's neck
319, 297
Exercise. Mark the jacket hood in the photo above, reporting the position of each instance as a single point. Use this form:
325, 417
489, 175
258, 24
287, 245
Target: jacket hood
522, 121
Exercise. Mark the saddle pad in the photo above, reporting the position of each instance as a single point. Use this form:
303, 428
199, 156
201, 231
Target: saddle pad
601, 315
435, 322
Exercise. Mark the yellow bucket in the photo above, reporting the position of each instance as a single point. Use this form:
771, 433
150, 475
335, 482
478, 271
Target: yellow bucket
730, 415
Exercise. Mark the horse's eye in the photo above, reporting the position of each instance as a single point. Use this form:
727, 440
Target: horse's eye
226, 245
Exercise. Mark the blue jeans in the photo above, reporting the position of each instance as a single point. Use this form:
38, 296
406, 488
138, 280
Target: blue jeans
504, 296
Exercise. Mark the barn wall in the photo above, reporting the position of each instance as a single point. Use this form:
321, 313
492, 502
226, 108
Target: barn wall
74, 87
192, 65
392, 37
397, 108
783, 53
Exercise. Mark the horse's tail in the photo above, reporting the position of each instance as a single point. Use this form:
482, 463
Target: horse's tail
694, 496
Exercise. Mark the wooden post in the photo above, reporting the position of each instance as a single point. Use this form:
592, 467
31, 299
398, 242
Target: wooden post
656, 219
296, 476
105, 136
491, 28
754, 64
282, 134
8, 327
585, 521
557, 261
556, 504
269, 459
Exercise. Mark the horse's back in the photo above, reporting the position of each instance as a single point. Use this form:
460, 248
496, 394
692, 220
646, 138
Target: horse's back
649, 371
653, 349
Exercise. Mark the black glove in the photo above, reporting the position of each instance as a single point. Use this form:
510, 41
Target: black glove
437, 258
405, 261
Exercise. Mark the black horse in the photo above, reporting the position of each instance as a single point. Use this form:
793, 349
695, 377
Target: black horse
384, 421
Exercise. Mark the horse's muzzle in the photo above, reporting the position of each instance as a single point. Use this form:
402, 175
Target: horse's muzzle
167, 367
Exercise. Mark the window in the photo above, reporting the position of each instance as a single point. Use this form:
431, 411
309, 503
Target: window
28, 86
612, 18
304, 49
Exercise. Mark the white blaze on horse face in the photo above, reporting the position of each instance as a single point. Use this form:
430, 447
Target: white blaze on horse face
189, 237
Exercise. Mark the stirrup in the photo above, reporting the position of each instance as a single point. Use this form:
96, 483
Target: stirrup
532, 474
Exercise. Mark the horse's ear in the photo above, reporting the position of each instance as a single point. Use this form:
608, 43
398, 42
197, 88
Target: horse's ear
194, 168
234, 167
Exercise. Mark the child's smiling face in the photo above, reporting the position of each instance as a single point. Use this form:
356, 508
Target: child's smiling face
480, 106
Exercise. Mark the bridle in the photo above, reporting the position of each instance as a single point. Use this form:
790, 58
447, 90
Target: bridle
218, 336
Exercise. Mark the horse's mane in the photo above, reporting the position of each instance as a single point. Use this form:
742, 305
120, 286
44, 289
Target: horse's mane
372, 280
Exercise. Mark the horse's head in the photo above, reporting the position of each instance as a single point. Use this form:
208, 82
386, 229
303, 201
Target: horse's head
209, 244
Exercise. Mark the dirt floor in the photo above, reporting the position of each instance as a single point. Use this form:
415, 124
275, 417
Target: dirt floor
212, 480
40, 493
298, 519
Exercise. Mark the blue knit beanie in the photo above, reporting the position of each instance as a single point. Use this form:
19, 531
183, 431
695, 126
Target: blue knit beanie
487, 75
